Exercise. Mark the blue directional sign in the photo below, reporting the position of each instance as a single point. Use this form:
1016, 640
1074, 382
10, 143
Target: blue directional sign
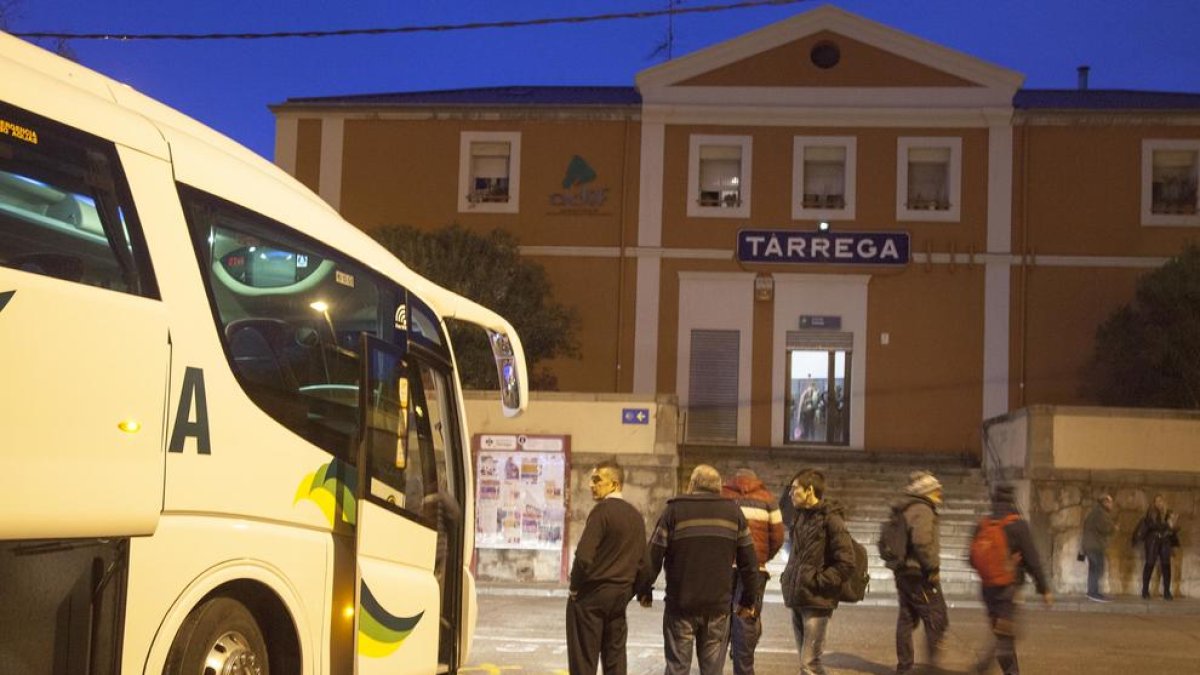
635, 415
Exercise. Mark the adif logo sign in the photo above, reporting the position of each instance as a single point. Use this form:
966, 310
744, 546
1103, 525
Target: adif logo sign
577, 194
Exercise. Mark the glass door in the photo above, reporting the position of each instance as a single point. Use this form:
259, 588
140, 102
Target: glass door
817, 396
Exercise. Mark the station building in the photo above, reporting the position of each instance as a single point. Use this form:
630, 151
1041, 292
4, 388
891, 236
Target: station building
826, 232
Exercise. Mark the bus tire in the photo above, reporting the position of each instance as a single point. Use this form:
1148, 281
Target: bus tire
217, 635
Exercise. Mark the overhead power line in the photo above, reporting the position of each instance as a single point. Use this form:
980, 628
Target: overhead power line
548, 21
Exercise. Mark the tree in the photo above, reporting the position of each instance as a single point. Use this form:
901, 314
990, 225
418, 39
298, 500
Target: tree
1147, 353
489, 269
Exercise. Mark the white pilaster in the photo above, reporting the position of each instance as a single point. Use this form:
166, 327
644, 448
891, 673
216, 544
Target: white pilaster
997, 300
645, 348
329, 182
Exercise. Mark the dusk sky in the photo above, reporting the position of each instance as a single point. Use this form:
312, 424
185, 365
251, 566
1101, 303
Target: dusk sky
227, 84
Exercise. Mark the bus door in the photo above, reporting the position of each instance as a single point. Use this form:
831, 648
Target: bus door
83, 341
397, 595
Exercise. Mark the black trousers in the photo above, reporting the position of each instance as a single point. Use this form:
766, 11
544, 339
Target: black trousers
1157, 552
1002, 613
596, 629
921, 601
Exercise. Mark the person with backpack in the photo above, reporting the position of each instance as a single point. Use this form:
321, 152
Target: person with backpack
822, 559
1158, 533
909, 545
1002, 552
766, 528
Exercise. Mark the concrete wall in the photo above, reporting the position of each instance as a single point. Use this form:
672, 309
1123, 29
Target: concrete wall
648, 453
1062, 458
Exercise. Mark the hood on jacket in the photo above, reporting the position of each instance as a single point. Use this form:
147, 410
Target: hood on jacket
744, 486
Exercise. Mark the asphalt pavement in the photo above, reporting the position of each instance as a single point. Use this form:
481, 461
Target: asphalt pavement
520, 630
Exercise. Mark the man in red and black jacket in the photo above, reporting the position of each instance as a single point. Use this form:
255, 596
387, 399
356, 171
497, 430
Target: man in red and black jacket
699, 537
766, 528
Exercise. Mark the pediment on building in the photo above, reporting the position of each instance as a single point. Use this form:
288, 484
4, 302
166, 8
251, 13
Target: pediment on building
824, 57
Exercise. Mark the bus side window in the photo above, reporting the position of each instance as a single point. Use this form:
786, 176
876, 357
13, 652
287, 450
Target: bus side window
64, 209
291, 316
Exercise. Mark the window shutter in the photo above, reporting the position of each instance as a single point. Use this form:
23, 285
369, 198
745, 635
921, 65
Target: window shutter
719, 174
929, 155
713, 386
490, 167
825, 153
1185, 159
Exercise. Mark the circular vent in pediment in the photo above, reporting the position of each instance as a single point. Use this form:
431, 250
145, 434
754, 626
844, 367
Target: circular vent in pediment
825, 55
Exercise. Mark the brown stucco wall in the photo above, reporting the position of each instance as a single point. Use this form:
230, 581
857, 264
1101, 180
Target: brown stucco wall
924, 388
308, 153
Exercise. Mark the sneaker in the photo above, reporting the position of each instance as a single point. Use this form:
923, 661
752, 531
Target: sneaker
1145, 595
1099, 598
1168, 596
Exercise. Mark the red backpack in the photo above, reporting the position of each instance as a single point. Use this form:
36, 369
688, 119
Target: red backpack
990, 555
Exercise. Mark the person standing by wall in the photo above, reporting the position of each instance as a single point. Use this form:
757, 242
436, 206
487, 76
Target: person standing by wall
765, 521
608, 558
822, 558
918, 579
1099, 525
1158, 532
699, 537
1003, 575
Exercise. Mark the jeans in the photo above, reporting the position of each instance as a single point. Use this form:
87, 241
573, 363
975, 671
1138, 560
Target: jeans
1096, 565
808, 627
709, 634
744, 633
920, 600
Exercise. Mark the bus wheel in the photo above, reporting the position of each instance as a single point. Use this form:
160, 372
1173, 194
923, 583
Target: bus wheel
219, 637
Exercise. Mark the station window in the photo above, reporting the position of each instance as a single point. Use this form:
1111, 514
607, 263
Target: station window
719, 176
1169, 182
489, 171
928, 185
823, 177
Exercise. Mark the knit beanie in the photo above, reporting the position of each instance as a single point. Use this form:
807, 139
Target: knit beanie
921, 483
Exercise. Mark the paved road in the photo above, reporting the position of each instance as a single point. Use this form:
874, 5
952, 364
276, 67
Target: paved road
524, 635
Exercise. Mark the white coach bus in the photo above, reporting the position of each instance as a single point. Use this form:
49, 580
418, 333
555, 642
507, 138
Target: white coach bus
231, 432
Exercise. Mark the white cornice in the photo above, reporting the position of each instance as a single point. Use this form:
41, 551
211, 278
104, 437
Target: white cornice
787, 116
833, 19
828, 97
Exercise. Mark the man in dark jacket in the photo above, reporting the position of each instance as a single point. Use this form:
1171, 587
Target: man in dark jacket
822, 557
766, 528
607, 561
1097, 528
698, 538
918, 582
1000, 600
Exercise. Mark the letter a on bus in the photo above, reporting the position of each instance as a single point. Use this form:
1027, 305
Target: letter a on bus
193, 389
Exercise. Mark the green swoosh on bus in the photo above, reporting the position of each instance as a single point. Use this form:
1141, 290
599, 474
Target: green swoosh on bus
331, 487
379, 631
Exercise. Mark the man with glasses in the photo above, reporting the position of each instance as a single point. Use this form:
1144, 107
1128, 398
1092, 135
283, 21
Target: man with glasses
608, 559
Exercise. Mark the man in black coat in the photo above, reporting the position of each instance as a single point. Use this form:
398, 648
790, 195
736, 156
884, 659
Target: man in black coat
698, 539
822, 558
607, 561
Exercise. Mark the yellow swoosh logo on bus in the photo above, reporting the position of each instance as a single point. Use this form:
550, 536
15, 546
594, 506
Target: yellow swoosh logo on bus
331, 487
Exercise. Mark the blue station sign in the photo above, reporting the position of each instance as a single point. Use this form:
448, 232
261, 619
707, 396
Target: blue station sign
823, 248
635, 415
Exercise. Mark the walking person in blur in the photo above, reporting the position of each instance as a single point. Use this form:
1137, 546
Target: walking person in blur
1002, 552
822, 558
765, 521
1158, 532
918, 576
698, 539
1098, 527
608, 559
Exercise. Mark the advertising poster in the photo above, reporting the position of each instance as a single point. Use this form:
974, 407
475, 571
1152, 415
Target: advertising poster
520, 500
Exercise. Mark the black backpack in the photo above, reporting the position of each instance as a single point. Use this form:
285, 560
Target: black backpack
893, 538
855, 588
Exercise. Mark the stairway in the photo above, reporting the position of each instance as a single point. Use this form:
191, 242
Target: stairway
866, 485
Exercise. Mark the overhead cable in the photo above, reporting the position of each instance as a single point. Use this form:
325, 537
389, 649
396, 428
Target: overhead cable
436, 28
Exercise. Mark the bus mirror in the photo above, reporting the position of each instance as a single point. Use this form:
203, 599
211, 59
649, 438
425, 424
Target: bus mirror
507, 371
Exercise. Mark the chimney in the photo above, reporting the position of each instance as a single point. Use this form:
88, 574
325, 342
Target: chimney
1083, 77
